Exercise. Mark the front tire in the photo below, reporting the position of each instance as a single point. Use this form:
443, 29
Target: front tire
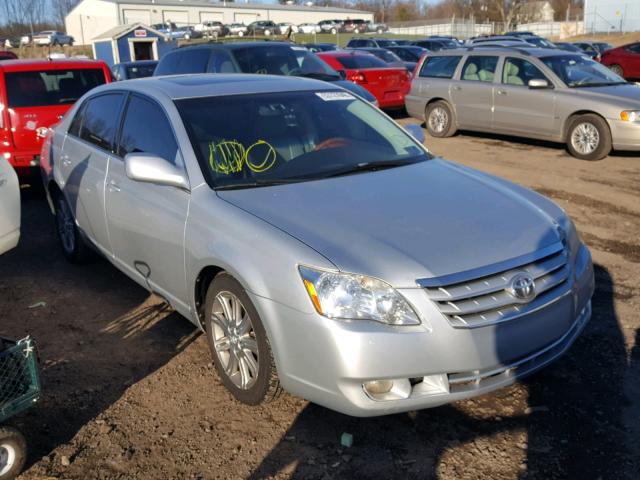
73, 245
334, 31
588, 137
238, 342
267, 33
617, 69
440, 120
13, 452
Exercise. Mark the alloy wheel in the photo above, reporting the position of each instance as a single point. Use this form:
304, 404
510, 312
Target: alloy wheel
585, 138
7, 458
234, 340
66, 226
438, 119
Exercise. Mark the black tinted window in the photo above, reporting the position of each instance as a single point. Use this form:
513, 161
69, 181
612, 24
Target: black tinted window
76, 123
50, 87
147, 130
100, 120
184, 61
271, 60
361, 61
440, 67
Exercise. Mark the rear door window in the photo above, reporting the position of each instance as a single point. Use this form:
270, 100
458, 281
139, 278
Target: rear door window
100, 118
146, 129
440, 67
50, 87
479, 69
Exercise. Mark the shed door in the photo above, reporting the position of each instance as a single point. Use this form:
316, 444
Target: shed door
179, 17
134, 16
215, 16
245, 18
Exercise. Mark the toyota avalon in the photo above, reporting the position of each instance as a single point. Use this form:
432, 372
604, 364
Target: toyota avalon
319, 245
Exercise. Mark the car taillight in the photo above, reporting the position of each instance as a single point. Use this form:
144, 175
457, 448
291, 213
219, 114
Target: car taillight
598, 58
357, 77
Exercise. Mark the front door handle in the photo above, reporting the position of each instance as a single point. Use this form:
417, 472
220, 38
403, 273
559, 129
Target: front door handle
502, 92
66, 161
113, 186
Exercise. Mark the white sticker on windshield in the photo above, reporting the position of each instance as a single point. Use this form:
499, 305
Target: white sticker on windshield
331, 96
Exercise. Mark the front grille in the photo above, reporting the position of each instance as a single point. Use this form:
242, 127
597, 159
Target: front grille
486, 300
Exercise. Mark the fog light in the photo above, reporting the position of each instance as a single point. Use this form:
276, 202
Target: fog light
378, 387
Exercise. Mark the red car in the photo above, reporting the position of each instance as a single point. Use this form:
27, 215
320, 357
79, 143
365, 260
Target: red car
34, 95
624, 60
7, 55
388, 84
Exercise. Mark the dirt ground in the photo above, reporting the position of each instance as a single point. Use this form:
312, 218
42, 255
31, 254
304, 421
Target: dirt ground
130, 392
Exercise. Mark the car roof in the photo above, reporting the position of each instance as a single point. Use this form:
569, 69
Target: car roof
344, 53
137, 62
217, 85
525, 50
235, 45
44, 64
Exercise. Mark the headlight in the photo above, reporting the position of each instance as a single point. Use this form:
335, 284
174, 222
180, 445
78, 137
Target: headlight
569, 235
356, 297
630, 116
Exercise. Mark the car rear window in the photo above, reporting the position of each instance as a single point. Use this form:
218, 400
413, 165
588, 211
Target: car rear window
361, 61
184, 61
50, 87
440, 67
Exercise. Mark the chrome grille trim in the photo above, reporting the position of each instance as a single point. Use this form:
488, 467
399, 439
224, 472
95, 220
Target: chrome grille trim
486, 300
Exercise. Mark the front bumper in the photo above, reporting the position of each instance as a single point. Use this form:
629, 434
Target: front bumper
327, 361
625, 135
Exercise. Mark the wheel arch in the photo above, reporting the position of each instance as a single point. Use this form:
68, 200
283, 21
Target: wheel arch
439, 99
201, 285
577, 113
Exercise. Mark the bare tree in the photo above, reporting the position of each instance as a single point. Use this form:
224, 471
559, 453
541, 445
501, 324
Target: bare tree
61, 9
25, 12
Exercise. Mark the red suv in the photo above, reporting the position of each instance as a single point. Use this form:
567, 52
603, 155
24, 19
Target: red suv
34, 95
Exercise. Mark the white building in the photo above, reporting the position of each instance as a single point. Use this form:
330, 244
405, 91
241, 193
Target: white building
92, 17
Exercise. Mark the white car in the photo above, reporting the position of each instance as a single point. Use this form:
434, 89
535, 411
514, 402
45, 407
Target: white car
308, 28
9, 207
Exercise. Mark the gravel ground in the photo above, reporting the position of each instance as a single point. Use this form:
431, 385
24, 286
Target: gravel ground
130, 392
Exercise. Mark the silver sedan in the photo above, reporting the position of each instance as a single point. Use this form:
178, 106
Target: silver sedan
318, 244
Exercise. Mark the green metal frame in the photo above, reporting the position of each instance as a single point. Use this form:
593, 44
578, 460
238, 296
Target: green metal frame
19, 377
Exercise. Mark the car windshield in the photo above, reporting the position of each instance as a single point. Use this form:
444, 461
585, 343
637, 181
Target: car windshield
539, 42
361, 61
292, 137
578, 71
50, 87
386, 43
140, 71
387, 56
282, 60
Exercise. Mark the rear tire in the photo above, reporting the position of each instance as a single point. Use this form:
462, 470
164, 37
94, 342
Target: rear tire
440, 120
588, 137
238, 342
13, 453
617, 69
74, 247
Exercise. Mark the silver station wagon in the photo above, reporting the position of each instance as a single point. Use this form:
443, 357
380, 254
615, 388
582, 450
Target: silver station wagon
318, 244
530, 92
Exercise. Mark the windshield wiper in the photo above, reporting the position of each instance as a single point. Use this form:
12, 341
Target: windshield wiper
258, 183
604, 84
366, 167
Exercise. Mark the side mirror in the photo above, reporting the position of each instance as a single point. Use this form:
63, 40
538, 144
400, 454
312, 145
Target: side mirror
538, 83
415, 131
342, 73
149, 168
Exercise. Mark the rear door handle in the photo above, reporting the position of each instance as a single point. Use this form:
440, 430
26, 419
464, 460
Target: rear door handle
457, 87
502, 92
113, 186
66, 161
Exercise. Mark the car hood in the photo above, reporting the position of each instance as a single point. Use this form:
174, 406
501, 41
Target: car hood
429, 219
629, 94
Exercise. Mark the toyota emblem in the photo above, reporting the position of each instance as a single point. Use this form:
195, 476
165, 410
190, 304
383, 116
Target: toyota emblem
523, 287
